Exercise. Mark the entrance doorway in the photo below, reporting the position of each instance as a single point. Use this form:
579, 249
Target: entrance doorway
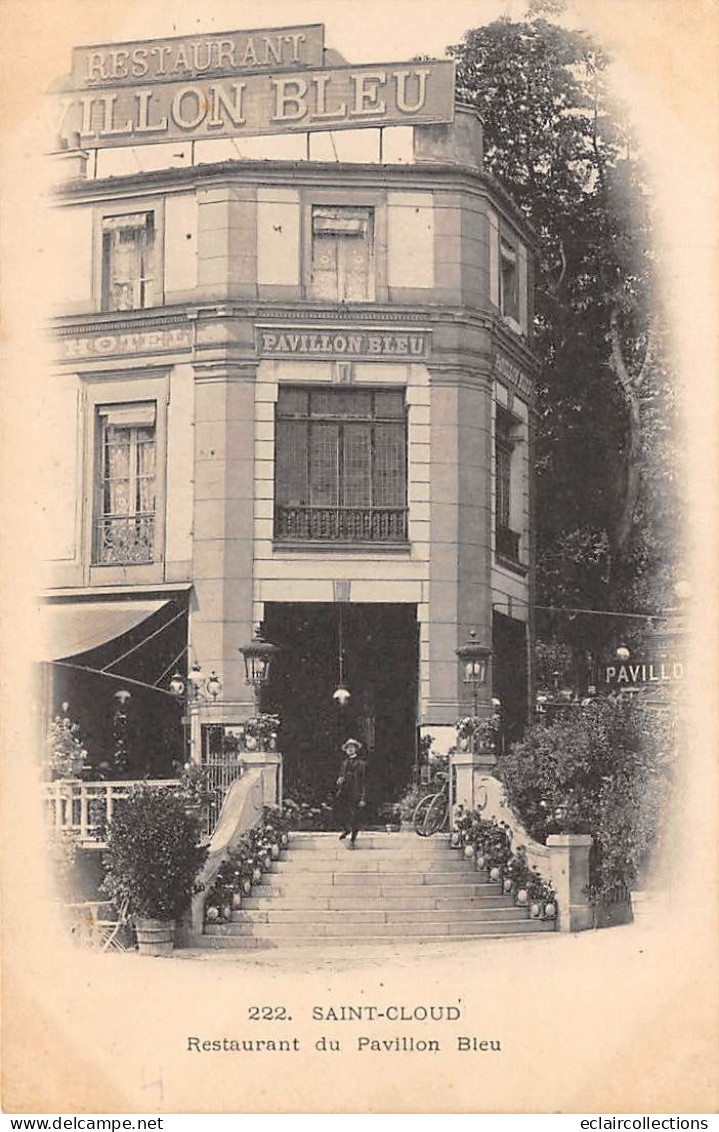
381, 665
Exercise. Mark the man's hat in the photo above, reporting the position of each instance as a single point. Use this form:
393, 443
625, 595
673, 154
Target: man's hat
352, 743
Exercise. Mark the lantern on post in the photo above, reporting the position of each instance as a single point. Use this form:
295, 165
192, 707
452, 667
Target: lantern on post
474, 657
190, 694
258, 657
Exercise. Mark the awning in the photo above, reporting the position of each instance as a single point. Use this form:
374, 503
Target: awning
68, 628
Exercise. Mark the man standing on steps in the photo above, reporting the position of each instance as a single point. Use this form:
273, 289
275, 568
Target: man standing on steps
351, 789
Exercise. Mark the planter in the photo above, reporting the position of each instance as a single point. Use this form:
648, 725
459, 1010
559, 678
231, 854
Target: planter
155, 937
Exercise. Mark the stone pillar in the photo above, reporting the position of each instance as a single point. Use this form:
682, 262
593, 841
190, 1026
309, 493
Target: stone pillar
469, 768
269, 763
569, 873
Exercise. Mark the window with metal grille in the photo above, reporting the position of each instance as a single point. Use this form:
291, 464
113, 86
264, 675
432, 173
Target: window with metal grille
341, 465
342, 260
128, 261
508, 280
125, 523
507, 539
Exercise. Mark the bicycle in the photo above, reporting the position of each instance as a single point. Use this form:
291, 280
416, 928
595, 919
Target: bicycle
431, 815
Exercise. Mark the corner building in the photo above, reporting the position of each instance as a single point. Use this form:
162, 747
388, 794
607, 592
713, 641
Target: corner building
297, 391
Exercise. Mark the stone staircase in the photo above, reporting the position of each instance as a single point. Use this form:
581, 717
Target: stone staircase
389, 888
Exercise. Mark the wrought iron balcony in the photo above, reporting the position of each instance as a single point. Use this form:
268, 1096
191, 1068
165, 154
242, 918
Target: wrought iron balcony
124, 540
507, 544
341, 524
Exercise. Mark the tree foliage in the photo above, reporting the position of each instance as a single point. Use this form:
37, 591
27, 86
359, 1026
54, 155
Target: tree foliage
606, 463
607, 769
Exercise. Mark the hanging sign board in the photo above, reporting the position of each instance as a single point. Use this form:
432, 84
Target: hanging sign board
192, 57
337, 98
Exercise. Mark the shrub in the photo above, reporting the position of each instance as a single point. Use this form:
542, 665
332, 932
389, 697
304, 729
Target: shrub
607, 771
153, 853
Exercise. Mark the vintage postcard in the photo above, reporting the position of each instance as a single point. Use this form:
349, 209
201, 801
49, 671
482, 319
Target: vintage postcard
359, 505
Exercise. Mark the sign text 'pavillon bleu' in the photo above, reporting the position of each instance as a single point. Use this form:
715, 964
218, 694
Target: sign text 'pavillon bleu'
240, 83
344, 342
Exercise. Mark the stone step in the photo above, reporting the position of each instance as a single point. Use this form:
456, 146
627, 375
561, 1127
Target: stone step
376, 903
253, 943
367, 931
390, 841
371, 845
358, 863
391, 890
302, 858
374, 878
373, 915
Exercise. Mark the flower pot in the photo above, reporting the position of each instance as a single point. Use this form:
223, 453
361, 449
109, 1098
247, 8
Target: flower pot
250, 743
226, 911
284, 840
481, 861
275, 852
469, 850
155, 937
455, 840
247, 886
535, 911
256, 875
212, 913
236, 899
522, 896
495, 874
550, 911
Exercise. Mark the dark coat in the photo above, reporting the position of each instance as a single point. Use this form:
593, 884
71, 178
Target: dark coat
351, 782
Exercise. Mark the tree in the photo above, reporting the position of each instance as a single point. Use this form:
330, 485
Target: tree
559, 143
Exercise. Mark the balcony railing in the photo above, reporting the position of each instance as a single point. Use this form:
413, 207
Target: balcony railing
507, 544
86, 808
343, 524
124, 540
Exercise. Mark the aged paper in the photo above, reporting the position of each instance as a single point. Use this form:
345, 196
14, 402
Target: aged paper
615, 1021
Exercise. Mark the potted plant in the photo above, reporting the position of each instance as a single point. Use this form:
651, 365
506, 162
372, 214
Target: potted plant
153, 858
260, 732
66, 756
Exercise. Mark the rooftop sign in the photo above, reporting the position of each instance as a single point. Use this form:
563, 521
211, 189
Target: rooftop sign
196, 56
240, 84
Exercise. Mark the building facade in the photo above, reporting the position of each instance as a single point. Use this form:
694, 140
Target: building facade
295, 389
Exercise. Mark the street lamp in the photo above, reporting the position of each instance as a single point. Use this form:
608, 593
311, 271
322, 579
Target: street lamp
259, 658
474, 659
191, 694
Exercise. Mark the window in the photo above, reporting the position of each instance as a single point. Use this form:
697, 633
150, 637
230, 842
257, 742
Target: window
128, 261
342, 256
341, 465
507, 539
125, 509
508, 280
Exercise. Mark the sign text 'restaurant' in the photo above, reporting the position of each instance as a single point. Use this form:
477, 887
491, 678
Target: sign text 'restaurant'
335, 99
191, 57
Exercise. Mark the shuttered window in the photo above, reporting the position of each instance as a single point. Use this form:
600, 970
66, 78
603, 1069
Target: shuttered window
125, 524
128, 262
508, 280
342, 260
341, 465
507, 539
